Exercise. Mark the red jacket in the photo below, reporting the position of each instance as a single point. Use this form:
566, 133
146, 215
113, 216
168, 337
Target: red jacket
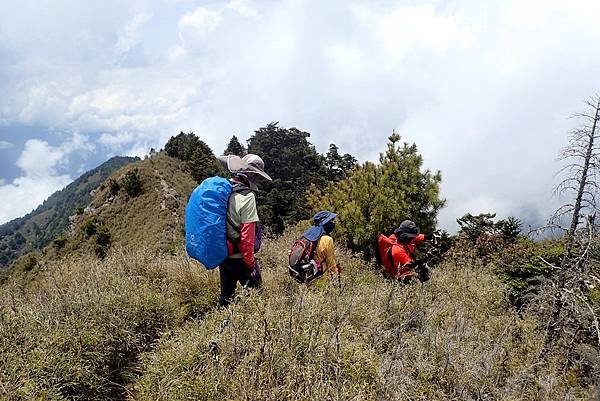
402, 255
246, 245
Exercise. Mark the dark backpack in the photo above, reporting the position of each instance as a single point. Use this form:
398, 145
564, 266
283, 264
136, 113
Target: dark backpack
302, 266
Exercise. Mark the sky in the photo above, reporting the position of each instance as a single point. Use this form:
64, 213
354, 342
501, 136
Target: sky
484, 88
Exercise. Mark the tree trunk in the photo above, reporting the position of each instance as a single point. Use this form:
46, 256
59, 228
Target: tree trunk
554, 327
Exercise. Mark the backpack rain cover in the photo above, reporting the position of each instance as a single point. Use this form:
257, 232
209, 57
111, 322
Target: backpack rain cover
206, 222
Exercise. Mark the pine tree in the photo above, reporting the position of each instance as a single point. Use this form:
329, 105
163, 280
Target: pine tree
375, 198
199, 158
235, 147
338, 165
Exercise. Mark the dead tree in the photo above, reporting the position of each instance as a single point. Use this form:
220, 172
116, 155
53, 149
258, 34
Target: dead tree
581, 180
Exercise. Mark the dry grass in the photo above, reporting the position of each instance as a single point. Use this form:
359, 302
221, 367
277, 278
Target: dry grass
152, 219
137, 326
76, 330
454, 338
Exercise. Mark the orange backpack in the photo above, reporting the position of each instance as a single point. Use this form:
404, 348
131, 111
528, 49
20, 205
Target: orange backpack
384, 247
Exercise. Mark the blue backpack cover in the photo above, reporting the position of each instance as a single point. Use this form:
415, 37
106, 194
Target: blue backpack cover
206, 222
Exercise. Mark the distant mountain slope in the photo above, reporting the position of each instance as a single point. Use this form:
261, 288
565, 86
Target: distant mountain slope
151, 219
49, 220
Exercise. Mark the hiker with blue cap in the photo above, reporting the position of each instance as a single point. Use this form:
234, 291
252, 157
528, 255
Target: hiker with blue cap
313, 255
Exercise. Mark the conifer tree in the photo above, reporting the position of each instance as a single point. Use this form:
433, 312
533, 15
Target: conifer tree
375, 198
235, 147
338, 165
199, 158
293, 163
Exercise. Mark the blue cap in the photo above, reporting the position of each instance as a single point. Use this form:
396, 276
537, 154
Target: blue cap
319, 220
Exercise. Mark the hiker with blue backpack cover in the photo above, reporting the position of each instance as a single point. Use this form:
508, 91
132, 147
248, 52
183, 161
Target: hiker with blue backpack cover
222, 224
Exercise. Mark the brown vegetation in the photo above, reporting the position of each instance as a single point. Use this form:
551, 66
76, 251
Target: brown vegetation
137, 326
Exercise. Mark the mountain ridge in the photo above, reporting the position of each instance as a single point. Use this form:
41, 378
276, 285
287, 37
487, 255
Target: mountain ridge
50, 219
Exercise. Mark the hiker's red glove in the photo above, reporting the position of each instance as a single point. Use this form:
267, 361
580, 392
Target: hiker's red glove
247, 234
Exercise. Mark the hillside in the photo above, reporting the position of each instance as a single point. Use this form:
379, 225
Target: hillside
136, 326
115, 310
49, 220
151, 218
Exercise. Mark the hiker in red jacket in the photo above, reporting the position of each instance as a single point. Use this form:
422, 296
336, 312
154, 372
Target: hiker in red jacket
397, 252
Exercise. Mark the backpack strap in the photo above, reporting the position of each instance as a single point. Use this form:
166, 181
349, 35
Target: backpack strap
391, 257
313, 250
314, 245
240, 189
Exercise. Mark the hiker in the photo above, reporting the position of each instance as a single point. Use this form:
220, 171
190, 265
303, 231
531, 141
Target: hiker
397, 252
243, 232
312, 255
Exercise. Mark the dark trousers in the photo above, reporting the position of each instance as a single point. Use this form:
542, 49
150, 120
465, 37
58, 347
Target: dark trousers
231, 271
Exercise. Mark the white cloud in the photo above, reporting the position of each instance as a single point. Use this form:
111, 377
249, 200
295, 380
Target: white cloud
26, 193
245, 8
39, 163
38, 159
42, 101
6, 145
196, 26
132, 32
409, 29
483, 88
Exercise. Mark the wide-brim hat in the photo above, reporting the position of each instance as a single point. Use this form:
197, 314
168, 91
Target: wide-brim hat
317, 230
323, 217
251, 163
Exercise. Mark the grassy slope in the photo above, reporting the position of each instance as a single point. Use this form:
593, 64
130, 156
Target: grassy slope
155, 217
152, 220
143, 327
49, 220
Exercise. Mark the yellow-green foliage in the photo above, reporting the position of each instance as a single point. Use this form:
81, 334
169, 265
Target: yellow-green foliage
524, 259
376, 198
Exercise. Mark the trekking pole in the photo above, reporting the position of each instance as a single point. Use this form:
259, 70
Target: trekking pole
339, 276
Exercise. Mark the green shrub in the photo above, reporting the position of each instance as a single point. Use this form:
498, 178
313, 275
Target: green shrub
59, 243
89, 227
26, 263
113, 187
525, 265
103, 241
132, 183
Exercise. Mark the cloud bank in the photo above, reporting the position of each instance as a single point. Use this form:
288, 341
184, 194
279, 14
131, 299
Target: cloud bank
40, 165
483, 88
